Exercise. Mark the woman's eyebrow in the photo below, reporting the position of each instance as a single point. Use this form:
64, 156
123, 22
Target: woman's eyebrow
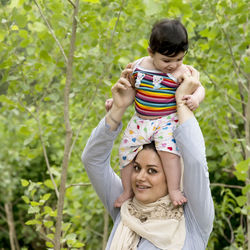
152, 166
148, 165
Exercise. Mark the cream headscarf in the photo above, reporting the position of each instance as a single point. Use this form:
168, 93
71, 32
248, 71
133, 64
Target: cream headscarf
160, 223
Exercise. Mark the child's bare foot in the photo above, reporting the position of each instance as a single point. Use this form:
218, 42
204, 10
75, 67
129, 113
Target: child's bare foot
123, 197
177, 198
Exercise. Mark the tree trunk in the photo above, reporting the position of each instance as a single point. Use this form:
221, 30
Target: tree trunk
105, 229
12, 232
247, 130
68, 137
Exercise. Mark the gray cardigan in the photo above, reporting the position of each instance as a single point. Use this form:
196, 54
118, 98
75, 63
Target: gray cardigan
198, 211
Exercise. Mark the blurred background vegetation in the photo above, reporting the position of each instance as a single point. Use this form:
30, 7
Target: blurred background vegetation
35, 42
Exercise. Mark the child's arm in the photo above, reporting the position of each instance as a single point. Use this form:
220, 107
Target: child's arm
193, 101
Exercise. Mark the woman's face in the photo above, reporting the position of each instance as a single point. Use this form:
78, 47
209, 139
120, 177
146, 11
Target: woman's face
148, 178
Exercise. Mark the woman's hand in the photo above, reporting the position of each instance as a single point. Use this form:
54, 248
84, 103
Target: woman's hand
188, 86
122, 96
122, 92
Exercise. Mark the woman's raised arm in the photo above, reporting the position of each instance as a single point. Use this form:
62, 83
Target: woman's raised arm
196, 183
96, 155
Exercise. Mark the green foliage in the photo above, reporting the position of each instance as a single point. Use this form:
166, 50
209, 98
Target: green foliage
32, 74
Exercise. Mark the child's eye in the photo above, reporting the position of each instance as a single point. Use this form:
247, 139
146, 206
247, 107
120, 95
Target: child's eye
152, 171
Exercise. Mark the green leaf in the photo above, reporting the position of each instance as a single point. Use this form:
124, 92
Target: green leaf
35, 204
78, 244
47, 210
49, 244
66, 226
152, 7
48, 224
71, 236
21, 20
33, 222
241, 200
5, 99
25, 183
49, 184
46, 197
33, 210
91, 1
26, 199
50, 236
241, 170
246, 189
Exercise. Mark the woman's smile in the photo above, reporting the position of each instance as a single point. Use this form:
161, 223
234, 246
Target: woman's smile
142, 187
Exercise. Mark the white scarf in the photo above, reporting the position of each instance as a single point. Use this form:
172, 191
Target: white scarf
160, 223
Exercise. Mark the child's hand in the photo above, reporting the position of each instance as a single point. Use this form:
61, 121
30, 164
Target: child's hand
191, 101
108, 104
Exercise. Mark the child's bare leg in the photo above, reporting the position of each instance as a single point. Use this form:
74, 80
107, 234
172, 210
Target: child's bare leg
172, 168
126, 182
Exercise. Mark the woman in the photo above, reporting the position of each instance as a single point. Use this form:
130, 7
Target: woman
149, 221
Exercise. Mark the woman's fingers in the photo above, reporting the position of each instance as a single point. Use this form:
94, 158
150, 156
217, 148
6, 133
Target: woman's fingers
129, 66
126, 72
108, 104
122, 83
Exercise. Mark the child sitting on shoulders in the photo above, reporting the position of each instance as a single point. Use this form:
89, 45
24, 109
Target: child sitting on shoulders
156, 78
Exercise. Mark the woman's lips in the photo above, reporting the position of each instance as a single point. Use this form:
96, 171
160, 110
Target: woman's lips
142, 187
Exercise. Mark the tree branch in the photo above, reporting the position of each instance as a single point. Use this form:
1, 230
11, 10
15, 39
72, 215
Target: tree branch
68, 136
78, 184
43, 145
105, 71
236, 66
247, 132
225, 185
51, 31
71, 3
237, 112
95, 232
43, 235
225, 144
105, 229
235, 99
12, 232
231, 229
4, 230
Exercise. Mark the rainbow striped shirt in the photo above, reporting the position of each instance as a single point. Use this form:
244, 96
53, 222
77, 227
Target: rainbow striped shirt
155, 93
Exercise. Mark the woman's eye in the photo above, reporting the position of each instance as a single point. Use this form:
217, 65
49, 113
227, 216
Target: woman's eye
136, 168
152, 171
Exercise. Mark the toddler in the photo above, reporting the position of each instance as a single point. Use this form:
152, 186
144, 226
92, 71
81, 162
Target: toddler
156, 78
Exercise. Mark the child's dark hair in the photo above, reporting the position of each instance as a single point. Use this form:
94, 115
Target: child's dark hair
168, 37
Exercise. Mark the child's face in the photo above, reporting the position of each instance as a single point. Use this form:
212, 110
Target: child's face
167, 64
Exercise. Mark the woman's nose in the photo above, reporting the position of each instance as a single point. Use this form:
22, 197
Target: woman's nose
141, 175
